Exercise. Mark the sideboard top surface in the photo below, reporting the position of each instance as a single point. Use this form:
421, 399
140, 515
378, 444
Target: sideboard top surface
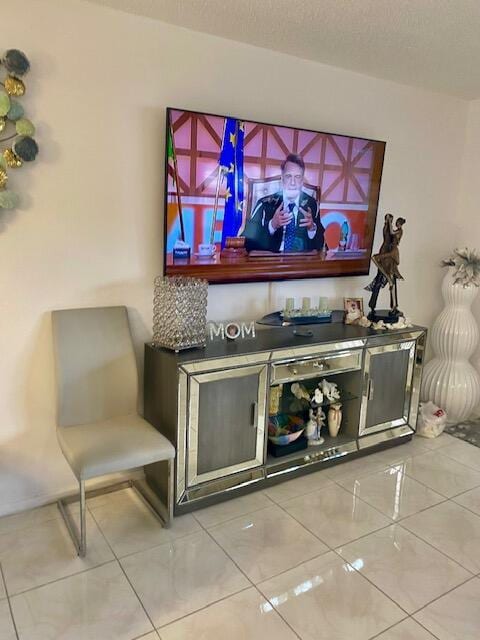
273, 338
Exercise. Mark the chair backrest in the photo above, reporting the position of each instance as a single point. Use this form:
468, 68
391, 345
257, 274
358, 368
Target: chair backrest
96, 369
260, 187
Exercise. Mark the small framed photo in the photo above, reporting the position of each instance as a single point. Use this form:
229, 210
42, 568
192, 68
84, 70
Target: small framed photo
353, 310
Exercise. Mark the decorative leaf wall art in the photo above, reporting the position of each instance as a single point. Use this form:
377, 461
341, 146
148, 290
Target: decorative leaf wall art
17, 144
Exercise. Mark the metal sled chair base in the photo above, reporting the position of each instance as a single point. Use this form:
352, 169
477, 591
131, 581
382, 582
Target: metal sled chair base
79, 534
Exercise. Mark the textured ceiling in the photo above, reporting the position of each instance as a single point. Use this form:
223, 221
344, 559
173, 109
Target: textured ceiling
433, 44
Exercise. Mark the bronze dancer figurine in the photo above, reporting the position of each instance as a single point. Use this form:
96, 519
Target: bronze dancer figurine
387, 261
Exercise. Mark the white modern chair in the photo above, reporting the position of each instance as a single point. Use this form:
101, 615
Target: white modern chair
98, 427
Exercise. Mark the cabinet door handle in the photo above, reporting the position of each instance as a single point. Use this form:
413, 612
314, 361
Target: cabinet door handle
371, 389
254, 415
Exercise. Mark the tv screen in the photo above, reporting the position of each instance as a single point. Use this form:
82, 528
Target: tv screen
249, 201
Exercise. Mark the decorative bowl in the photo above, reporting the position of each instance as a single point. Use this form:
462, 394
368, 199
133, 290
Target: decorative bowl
286, 438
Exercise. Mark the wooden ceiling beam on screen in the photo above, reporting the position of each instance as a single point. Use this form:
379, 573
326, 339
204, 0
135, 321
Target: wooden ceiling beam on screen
348, 169
318, 137
362, 152
263, 158
321, 166
212, 177
216, 138
358, 186
334, 184
181, 121
249, 137
279, 140
193, 156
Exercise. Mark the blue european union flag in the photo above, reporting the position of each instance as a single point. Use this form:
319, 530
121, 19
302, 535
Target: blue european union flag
231, 163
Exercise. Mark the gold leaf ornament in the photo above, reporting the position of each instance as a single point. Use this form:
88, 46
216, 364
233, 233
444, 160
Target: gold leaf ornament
3, 179
14, 86
12, 160
3, 124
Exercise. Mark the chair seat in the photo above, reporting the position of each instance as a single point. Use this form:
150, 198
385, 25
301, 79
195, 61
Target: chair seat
117, 444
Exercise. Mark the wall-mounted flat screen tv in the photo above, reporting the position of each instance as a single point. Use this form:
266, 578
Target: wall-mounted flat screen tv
248, 201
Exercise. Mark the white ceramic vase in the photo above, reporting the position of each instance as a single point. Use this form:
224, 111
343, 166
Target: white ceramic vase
334, 419
449, 380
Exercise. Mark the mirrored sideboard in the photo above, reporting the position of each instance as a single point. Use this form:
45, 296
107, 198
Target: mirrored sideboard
213, 404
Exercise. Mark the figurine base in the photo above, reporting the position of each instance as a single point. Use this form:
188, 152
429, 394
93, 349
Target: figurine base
387, 315
315, 442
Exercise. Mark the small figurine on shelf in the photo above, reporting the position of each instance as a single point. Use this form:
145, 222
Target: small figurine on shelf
329, 390
314, 426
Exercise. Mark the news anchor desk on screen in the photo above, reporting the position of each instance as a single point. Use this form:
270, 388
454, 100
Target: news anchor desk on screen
287, 221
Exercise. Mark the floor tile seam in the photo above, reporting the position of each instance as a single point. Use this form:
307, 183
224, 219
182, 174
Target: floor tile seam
400, 622
277, 611
364, 535
426, 629
32, 524
437, 549
473, 577
356, 571
219, 524
125, 574
305, 527
435, 490
358, 498
206, 606
392, 626
156, 545
374, 585
432, 546
464, 464
2, 576
457, 586
444, 499
412, 613
70, 575
254, 584
459, 504
306, 493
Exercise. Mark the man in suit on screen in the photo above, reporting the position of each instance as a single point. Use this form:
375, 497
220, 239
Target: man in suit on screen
287, 221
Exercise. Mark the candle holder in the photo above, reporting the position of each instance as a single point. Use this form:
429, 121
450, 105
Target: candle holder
180, 313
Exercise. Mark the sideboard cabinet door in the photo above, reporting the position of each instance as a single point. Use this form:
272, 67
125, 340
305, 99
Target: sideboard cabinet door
226, 423
387, 387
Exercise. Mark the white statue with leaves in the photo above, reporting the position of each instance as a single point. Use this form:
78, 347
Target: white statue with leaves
449, 379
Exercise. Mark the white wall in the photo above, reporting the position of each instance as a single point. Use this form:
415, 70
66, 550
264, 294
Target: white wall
469, 199
90, 231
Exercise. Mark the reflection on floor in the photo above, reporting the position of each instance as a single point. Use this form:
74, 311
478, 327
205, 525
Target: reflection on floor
385, 547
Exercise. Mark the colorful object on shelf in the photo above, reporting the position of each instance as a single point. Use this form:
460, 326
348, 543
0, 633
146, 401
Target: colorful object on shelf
16, 142
284, 428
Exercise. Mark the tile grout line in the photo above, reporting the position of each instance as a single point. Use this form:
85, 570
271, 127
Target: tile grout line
217, 524
124, 573
170, 542
9, 603
472, 577
70, 575
249, 580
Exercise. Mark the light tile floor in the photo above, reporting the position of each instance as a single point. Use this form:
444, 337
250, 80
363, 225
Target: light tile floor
386, 547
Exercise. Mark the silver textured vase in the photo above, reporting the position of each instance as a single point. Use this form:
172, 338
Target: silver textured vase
180, 312
449, 380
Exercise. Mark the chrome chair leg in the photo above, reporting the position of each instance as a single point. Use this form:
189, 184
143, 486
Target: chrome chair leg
79, 539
